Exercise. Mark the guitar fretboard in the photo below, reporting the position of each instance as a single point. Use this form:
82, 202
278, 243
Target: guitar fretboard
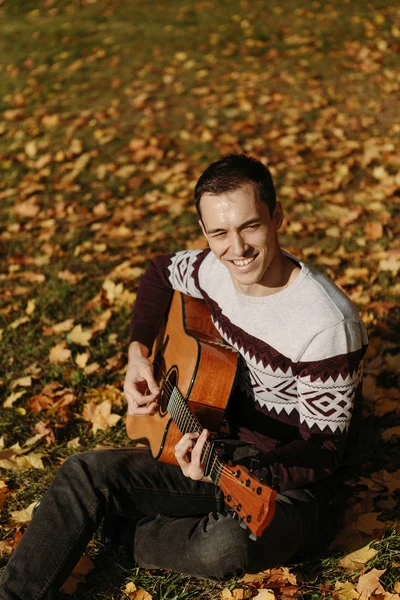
187, 423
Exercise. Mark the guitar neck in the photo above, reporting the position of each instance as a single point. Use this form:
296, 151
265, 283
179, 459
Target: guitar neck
187, 423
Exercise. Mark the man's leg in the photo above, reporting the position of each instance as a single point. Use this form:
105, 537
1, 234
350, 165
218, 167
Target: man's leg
87, 488
215, 546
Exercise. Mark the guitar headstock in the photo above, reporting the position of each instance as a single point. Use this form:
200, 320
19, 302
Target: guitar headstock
252, 501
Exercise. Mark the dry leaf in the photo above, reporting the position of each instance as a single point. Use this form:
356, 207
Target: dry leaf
30, 307
66, 275
356, 560
79, 336
265, 595
66, 325
368, 523
92, 368
81, 359
15, 324
22, 381
345, 591
100, 415
84, 566
22, 517
9, 401
59, 353
392, 432
369, 584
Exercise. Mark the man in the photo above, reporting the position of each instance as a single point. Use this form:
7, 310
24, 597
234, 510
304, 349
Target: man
296, 404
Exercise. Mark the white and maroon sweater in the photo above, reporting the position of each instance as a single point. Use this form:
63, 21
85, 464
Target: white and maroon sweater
300, 360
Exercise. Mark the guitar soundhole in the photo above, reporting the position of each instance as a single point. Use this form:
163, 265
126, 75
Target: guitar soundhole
167, 385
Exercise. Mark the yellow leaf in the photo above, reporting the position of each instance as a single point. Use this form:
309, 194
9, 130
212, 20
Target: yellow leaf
66, 325
130, 587
390, 264
265, 595
81, 359
345, 591
100, 415
30, 307
80, 336
74, 443
9, 401
22, 381
66, 275
19, 322
59, 353
92, 368
24, 516
140, 594
101, 322
356, 560
31, 149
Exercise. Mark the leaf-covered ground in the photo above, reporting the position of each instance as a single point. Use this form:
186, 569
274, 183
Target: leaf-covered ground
110, 110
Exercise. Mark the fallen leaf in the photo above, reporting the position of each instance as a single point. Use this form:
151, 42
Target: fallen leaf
22, 381
345, 591
81, 359
100, 415
30, 307
391, 432
92, 368
265, 595
373, 230
24, 516
84, 566
80, 336
9, 401
356, 560
59, 353
15, 324
66, 275
369, 584
368, 523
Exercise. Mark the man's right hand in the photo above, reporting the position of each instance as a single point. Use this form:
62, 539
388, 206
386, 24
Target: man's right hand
140, 387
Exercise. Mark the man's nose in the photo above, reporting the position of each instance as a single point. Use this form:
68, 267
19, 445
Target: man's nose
238, 245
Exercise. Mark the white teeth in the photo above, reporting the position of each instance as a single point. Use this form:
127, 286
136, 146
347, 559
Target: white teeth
244, 262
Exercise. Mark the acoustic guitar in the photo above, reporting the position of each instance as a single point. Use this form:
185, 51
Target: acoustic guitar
195, 371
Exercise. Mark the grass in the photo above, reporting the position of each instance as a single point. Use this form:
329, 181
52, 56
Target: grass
308, 88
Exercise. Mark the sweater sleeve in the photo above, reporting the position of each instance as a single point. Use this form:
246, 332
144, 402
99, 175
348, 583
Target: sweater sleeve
163, 276
329, 397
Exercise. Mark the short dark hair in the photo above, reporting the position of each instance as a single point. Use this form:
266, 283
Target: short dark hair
233, 171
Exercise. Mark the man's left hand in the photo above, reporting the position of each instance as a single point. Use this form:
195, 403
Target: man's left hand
188, 452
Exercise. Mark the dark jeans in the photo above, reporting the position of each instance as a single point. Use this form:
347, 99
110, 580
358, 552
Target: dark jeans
181, 524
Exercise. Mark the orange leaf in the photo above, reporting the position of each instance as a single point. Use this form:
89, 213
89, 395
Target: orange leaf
84, 566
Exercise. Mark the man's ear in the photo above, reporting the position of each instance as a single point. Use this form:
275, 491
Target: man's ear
277, 216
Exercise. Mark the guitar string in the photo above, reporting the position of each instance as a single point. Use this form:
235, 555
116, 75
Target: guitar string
191, 420
217, 466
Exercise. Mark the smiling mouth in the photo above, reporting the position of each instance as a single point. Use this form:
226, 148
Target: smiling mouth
243, 262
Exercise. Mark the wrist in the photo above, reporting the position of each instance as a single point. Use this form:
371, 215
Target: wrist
137, 349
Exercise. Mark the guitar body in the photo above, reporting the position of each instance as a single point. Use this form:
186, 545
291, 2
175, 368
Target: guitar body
190, 354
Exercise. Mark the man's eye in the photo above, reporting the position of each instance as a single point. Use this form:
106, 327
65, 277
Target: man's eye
254, 226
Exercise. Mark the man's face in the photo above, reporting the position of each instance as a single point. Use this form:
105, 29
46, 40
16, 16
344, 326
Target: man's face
243, 236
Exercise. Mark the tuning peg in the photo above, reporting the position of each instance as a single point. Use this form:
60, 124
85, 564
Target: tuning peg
242, 524
253, 537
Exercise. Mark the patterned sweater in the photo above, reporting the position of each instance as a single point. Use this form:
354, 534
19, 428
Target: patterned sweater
297, 397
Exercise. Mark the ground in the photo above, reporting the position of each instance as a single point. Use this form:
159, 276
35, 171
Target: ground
110, 110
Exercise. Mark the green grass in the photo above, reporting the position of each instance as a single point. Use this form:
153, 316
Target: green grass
194, 80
